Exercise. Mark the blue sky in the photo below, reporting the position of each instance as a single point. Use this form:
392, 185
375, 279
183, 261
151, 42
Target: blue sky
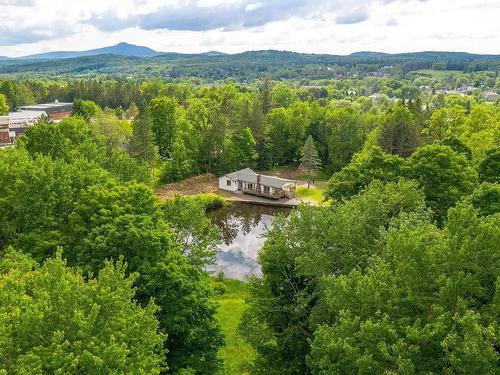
319, 26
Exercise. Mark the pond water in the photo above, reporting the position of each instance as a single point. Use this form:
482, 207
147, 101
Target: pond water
243, 228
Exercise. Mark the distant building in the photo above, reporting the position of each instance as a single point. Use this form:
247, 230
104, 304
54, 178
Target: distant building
21, 120
4, 131
491, 96
55, 111
465, 90
249, 182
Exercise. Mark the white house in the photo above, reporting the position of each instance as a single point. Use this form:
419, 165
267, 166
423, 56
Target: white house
249, 182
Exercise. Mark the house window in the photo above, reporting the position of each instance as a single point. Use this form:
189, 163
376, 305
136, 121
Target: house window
228, 182
250, 186
267, 190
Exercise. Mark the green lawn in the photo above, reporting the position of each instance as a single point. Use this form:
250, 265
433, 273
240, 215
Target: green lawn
313, 195
237, 354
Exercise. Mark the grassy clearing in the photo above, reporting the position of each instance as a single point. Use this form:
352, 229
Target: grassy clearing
437, 73
313, 195
237, 354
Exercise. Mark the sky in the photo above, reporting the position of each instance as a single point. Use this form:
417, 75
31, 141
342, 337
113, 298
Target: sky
231, 26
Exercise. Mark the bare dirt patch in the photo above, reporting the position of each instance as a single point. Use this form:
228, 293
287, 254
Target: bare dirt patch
201, 184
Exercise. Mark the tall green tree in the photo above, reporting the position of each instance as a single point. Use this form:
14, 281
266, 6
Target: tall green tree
283, 310
343, 130
85, 108
180, 164
126, 221
399, 132
165, 113
67, 324
489, 166
244, 149
142, 144
282, 95
444, 175
366, 166
310, 162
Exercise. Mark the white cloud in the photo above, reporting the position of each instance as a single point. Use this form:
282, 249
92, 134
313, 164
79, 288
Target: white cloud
320, 26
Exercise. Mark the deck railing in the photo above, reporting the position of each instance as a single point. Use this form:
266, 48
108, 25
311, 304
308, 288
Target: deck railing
275, 195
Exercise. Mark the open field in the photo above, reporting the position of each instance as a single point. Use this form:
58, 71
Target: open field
437, 73
237, 354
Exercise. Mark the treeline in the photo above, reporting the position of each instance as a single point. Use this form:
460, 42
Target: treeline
253, 65
219, 130
96, 274
182, 130
121, 93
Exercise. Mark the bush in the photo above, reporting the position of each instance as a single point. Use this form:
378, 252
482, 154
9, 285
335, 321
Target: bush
211, 201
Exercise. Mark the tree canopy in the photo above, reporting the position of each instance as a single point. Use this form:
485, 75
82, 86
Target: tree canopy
67, 324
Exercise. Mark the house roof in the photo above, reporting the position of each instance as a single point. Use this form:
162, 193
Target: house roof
49, 108
243, 173
248, 175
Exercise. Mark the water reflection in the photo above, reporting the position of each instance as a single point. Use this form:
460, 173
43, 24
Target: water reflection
242, 228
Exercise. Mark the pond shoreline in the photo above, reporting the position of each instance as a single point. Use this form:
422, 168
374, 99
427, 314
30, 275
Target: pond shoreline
248, 199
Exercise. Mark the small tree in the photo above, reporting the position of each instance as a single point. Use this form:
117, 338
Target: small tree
132, 112
85, 108
310, 161
4, 105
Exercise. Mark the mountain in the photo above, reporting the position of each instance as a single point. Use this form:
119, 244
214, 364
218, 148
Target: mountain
213, 53
120, 49
369, 54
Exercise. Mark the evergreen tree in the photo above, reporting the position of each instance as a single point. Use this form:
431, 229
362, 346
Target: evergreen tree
142, 144
132, 112
265, 92
310, 162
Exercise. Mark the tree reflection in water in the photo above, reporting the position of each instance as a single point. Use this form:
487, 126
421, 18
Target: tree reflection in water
242, 228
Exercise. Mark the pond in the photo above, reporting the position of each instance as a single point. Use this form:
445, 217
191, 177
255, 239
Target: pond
243, 228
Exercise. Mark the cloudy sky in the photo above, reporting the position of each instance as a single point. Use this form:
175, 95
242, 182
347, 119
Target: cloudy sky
319, 26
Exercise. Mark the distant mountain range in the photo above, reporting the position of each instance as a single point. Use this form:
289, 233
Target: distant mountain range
120, 49
130, 61
131, 50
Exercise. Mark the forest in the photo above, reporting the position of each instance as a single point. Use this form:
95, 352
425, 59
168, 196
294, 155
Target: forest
243, 67
398, 271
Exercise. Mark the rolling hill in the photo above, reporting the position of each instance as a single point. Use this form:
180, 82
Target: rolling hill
128, 61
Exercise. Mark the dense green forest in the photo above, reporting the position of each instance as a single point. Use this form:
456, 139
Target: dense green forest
398, 273
246, 66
